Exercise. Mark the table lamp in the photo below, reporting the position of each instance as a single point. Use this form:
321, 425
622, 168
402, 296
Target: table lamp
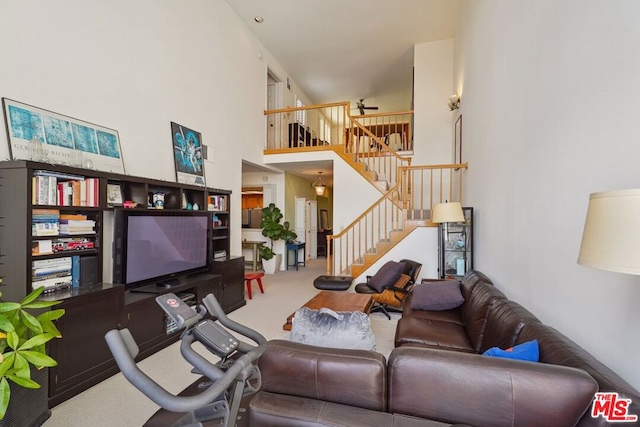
447, 212
444, 213
611, 236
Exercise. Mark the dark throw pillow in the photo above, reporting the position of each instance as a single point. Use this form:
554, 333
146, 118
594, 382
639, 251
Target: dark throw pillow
526, 351
387, 275
437, 296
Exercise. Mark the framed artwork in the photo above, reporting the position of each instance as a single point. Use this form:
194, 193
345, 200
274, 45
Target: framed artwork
187, 153
324, 219
114, 195
44, 136
457, 141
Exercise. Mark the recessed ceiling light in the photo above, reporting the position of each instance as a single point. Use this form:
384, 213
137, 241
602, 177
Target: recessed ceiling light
259, 19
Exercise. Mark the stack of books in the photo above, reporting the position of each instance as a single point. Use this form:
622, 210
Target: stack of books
45, 222
71, 224
51, 274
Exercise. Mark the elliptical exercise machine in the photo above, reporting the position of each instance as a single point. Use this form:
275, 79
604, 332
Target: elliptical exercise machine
231, 378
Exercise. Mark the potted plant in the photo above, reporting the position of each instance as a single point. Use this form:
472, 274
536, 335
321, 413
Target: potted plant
274, 230
23, 336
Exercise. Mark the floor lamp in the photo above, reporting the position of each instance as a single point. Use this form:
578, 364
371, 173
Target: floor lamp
445, 213
611, 236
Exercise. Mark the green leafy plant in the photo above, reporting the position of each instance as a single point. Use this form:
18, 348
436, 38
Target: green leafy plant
23, 336
271, 228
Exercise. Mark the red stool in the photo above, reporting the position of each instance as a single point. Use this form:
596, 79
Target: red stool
248, 277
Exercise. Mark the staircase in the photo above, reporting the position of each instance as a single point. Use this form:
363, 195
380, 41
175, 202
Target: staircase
365, 142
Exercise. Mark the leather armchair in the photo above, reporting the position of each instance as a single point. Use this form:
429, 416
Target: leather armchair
393, 293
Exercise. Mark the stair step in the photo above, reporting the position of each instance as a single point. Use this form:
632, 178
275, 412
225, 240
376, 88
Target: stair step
382, 186
422, 214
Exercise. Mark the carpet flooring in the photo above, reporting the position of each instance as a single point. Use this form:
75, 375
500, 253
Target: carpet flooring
115, 402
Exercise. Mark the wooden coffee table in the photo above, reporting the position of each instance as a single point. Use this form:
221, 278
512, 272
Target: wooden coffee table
336, 301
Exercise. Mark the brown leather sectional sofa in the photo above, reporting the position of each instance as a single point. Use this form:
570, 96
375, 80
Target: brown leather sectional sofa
435, 376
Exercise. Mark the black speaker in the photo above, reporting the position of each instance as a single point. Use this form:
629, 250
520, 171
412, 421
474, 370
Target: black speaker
89, 270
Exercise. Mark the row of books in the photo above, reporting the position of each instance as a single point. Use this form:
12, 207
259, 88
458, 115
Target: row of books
49, 222
217, 203
56, 189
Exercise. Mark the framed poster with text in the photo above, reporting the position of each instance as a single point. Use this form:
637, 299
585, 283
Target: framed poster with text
44, 136
187, 153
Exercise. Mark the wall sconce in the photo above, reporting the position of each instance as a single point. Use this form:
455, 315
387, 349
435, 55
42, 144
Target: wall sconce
319, 185
454, 102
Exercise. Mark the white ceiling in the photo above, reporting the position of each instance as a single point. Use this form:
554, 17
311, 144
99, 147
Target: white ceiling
343, 50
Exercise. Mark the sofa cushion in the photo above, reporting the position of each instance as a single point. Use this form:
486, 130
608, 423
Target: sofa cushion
527, 351
432, 333
505, 320
388, 274
485, 391
557, 349
321, 373
470, 280
437, 296
474, 311
442, 316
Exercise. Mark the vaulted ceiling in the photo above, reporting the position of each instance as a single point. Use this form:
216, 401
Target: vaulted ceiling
344, 50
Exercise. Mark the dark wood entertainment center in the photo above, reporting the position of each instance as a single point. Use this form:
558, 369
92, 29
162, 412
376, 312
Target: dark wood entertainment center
92, 308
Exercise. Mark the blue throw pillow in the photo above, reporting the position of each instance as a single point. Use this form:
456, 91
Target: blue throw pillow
526, 351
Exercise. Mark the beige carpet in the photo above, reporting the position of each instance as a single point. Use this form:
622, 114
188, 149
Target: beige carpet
115, 402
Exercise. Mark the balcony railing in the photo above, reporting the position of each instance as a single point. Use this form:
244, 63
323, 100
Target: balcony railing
303, 128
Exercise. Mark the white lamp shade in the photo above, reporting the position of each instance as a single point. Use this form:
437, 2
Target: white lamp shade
611, 237
447, 212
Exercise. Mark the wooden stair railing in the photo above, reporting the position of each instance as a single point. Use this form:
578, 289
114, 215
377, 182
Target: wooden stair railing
427, 185
370, 144
366, 236
365, 141
391, 218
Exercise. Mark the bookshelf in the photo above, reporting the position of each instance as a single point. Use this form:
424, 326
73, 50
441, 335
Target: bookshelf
56, 231
53, 220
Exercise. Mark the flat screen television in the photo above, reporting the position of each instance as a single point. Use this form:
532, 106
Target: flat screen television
157, 246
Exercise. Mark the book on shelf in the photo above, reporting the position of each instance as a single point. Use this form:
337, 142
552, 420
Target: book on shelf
45, 222
52, 284
42, 247
77, 227
217, 203
45, 229
52, 188
50, 264
220, 254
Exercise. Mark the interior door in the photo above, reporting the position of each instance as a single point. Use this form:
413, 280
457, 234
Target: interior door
271, 140
311, 229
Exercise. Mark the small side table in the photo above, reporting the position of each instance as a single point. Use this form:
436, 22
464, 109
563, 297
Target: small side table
255, 245
295, 247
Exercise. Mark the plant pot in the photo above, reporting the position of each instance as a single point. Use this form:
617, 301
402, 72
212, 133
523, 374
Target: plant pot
28, 407
270, 265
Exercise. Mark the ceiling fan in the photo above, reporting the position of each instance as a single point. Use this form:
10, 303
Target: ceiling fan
360, 106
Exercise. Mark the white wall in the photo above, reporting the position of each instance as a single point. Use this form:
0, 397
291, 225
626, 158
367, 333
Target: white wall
420, 246
433, 81
137, 66
549, 103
